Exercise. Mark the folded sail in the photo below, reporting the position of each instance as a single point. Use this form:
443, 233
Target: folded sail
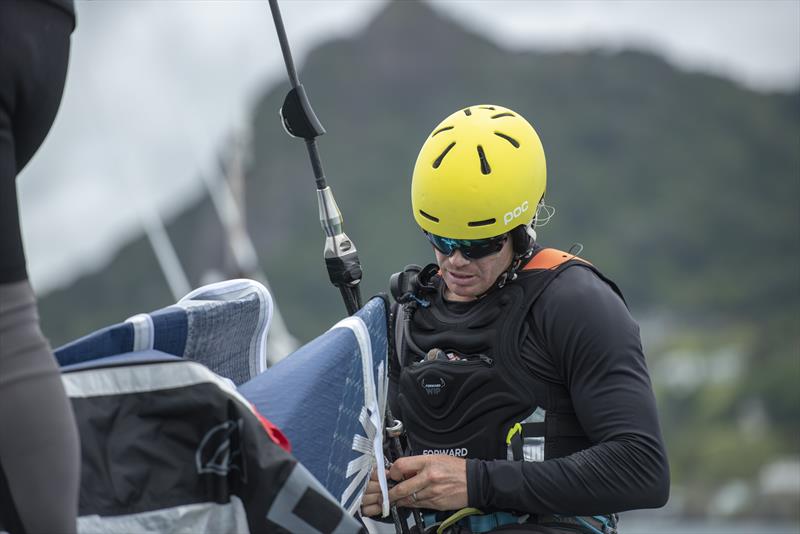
329, 398
169, 444
223, 326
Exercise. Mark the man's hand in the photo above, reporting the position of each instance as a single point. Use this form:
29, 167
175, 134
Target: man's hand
436, 482
371, 502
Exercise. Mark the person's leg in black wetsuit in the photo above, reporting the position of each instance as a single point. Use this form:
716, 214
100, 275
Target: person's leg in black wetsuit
39, 447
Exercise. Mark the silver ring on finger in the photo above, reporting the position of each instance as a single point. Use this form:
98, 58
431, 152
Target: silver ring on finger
414, 496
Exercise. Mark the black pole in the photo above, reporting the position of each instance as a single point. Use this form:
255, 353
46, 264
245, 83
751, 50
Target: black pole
299, 120
316, 163
287, 52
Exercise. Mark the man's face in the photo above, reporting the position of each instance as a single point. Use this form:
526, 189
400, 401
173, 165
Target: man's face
467, 279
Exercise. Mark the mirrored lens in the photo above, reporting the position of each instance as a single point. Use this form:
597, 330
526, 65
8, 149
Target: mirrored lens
473, 249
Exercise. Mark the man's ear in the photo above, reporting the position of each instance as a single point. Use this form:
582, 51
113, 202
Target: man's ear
523, 238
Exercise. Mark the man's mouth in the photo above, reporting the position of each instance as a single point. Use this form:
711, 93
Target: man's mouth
459, 277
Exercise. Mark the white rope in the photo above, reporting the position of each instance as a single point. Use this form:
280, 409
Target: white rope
543, 214
372, 423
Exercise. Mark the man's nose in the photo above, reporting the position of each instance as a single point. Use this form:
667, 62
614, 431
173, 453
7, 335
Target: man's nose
458, 259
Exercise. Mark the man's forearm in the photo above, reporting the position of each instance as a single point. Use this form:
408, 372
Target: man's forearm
606, 478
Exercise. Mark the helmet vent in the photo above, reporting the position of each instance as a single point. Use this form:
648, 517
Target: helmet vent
486, 222
509, 139
440, 130
467, 112
485, 169
502, 115
487, 107
442, 155
429, 216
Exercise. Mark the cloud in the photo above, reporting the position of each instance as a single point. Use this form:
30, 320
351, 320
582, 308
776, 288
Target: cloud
755, 42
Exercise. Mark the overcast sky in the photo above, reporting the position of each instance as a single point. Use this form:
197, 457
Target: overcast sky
144, 113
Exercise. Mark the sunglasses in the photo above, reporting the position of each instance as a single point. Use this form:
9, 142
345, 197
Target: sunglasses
473, 249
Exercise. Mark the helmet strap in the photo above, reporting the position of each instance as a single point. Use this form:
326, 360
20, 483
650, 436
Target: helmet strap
510, 274
523, 238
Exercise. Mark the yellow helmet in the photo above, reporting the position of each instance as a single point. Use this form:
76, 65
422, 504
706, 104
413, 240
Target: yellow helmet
480, 173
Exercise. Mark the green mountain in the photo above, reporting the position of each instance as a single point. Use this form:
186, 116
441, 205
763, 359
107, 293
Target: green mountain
682, 187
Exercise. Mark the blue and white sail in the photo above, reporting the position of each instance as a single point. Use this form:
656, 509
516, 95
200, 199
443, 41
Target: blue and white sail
223, 326
168, 445
329, 398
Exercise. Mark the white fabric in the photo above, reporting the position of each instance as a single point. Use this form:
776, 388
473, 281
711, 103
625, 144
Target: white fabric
371, 421
229, 518
143, 332
143, 378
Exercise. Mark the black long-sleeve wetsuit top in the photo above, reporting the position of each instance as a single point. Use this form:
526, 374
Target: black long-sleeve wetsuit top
582, 336
39, 443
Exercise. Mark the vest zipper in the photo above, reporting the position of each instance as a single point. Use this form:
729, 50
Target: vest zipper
481, 359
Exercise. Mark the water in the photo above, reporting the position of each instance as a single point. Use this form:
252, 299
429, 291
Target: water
641, 526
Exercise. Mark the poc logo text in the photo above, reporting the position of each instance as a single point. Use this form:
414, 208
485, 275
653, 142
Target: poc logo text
516, 212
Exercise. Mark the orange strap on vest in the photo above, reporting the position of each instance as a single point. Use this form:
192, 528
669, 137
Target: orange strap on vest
550, 258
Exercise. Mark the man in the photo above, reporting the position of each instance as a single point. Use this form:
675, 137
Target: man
39, 445
519, 373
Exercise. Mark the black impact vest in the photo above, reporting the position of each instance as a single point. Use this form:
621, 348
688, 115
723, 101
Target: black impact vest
488, 404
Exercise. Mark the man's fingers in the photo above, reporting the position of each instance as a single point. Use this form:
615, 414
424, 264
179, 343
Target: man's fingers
371, 502
371, 510
373, 486
415, 500
410, 470
405, 490
407, 467
435, 482
371, 497
374, 474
